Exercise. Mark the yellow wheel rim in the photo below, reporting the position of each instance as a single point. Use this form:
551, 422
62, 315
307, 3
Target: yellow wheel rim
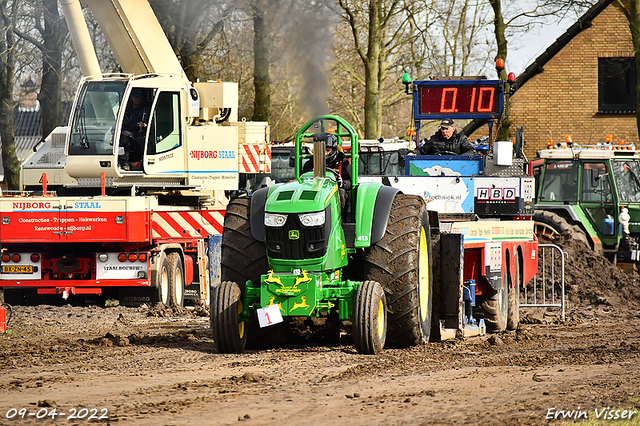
240, 323
381, 320
423, 274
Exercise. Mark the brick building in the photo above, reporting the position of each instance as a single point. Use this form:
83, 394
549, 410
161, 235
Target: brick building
583, 85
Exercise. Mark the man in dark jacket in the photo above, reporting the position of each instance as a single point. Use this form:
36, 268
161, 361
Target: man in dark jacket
446, 139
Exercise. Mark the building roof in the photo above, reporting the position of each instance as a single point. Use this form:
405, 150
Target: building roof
584, 22
27, 125
537, 66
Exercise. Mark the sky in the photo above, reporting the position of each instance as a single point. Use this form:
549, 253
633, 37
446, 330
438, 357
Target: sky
529, 46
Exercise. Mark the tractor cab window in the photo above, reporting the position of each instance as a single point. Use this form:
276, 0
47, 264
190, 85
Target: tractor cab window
627, 177
375, 161
164, 128
595, 184
559, 182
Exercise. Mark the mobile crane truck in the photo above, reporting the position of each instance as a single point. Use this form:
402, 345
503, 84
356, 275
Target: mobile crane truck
406, 261
126, 213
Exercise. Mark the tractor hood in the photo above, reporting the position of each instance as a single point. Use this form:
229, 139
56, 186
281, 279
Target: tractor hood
308, 194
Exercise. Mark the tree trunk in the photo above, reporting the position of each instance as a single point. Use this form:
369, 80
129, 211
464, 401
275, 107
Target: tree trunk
504, 132
53, 36
7, 67
261, 83
372, 72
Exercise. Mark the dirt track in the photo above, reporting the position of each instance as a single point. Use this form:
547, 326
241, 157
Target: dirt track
153, 366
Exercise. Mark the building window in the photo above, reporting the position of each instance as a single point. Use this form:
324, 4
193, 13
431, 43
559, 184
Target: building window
616, 85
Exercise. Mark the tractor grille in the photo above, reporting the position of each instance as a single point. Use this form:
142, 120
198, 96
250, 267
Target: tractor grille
294, 241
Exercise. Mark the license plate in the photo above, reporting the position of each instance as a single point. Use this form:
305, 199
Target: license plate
17, 269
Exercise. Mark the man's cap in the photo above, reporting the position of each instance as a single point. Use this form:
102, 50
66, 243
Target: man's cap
447, 122
136, 92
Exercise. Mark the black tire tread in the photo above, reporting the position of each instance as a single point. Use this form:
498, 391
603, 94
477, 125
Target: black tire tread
365, 318
513, 317
243, 257
393, 262
175, 264
224, 312
560, 225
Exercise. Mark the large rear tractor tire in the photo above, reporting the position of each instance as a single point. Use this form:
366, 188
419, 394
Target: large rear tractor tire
162, 280
369, 318
513, 315
229, 334
548, 226
176, 280
244, 258
401, 263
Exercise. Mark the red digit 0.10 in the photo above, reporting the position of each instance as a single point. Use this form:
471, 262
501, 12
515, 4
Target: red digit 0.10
449, 97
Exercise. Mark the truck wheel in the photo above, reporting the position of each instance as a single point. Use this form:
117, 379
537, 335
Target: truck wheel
176, 280
513, 316
496, 308
401, 263
549, 225
229, 334
162, 280
369, 318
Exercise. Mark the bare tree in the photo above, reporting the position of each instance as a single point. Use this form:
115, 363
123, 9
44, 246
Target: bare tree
522, 20
8, 12
52, 31
190, 26
261, 63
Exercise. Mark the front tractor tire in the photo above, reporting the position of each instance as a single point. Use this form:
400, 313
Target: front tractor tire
402, 263
229, 334
244, 258
369, 318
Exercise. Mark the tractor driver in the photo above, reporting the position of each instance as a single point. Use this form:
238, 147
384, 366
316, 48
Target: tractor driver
134, 128
446, 140
337, 161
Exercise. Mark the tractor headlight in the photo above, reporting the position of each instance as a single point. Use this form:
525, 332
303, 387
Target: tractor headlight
275, 219
312, 219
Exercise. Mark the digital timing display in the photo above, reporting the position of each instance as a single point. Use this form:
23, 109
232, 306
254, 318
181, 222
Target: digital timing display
446, 98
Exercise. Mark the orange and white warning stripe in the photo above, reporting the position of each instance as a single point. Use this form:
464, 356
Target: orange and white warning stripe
187, 224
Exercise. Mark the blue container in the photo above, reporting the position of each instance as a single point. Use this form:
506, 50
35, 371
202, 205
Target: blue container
607, 226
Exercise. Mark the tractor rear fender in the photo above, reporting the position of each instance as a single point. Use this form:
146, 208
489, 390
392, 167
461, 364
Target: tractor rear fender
372, 212
256, 214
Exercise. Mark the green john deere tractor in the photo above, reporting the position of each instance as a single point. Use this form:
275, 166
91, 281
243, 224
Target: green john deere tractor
291, 250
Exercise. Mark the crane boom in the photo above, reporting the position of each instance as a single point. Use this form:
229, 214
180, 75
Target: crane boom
132, 31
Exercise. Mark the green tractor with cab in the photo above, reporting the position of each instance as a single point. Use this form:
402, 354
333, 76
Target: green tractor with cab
291, 250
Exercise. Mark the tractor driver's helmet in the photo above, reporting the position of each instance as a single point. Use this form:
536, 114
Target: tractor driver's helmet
330, 144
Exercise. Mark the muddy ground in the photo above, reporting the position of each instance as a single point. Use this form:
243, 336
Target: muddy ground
156, 366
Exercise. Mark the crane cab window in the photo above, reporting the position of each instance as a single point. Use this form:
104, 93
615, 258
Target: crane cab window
165, 130
560, 182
